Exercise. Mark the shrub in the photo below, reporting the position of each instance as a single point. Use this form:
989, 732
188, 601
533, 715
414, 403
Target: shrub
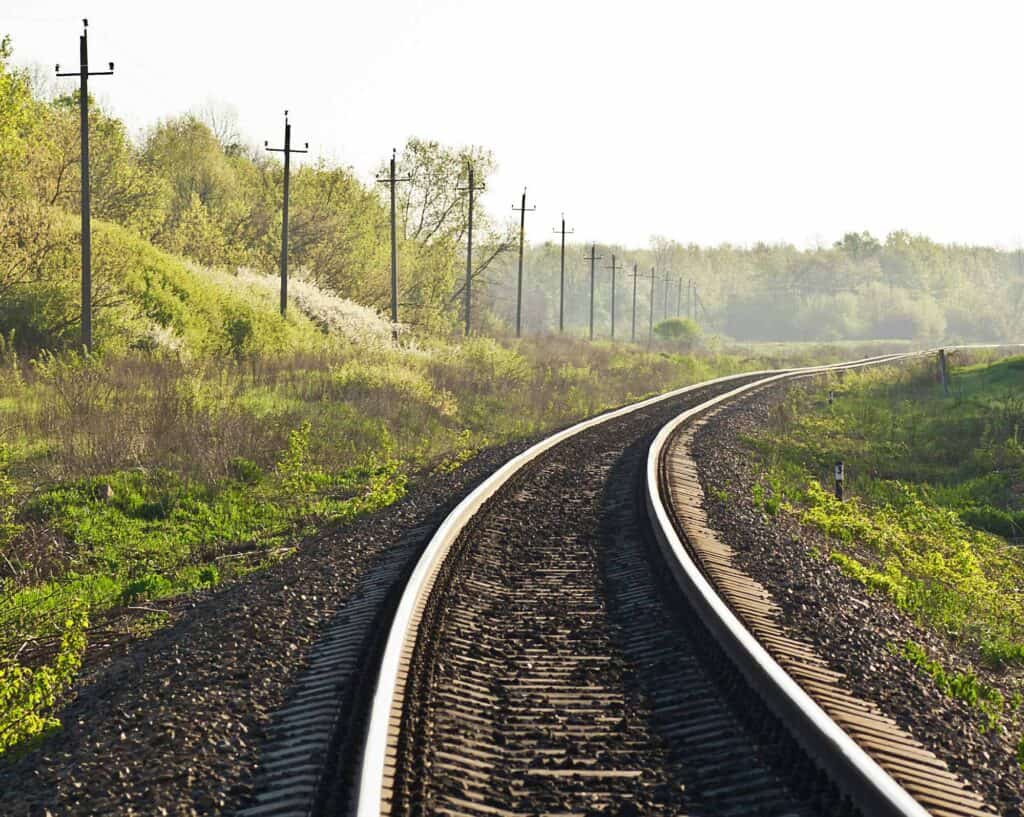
28, 696
679, 332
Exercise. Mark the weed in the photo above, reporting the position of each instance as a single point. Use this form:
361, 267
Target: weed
28, 696
964, 686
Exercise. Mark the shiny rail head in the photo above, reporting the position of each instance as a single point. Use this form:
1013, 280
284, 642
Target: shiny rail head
372, 795
870, 786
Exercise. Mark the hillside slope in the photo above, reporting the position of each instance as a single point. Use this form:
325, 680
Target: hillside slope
146, 299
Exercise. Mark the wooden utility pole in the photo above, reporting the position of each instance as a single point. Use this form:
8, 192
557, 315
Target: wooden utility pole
470, 188
287, 150
83, 73
698, 302
613, 268
561, 278
523, 210
592, 258
679, 299
391, 179
668, 277
632, 332
650, 328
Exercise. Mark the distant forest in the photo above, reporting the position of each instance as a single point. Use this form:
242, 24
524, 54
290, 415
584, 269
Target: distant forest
905, 286
193, 186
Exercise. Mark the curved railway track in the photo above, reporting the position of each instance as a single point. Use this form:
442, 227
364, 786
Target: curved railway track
541, 659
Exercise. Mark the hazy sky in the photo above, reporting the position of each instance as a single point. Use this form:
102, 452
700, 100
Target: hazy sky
702, 121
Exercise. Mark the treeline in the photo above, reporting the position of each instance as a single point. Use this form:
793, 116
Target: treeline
192, 185
905, 286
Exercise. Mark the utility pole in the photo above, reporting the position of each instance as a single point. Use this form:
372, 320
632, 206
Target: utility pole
470, 188
689, 299
287, 150
83, 73
679, 299
632, 332
613, 268
592, 258
523, 210
392, 180
668, 274
650, 328
561, 278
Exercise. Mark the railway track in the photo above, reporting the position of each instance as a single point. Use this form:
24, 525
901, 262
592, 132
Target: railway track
542, 660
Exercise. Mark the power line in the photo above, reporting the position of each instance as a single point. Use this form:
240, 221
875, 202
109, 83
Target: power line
392, 180
287, 150
83, 73
522, 210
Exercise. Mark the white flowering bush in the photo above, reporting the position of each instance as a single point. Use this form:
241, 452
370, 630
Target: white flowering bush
361, 325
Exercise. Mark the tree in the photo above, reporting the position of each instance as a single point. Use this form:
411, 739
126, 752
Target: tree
433, 215
186, 154
222, 120
859, 245
678, 332
16, 106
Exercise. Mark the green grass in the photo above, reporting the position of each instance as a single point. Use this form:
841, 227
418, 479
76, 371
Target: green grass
148, 535
931, 483
128, 478
934, 488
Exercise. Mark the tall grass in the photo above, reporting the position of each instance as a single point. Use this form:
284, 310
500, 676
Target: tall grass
126, 477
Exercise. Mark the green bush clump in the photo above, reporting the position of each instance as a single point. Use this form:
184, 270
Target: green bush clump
29, 695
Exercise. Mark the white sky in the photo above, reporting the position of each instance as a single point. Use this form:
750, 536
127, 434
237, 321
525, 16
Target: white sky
722, 120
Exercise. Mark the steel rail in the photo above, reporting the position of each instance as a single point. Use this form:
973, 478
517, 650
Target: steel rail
857, 774
372, 794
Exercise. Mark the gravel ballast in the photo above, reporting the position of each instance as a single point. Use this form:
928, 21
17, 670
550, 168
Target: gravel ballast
851, 627
173, 724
